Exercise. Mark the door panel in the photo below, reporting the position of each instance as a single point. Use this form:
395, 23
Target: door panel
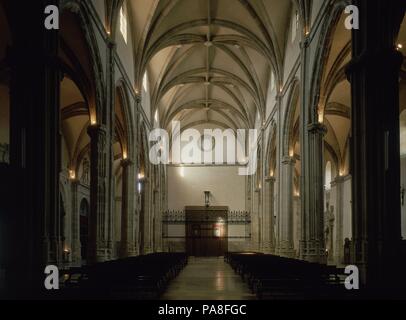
206, 231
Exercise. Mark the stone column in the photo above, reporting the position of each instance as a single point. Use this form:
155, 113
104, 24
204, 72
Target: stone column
131, 202
255, 222
312, 243
98, 224
109, 121
375, 164
285, 244
124, 242
338, 186
75, 214
297, 225
34, 147
158, 211
146, 225
269, 212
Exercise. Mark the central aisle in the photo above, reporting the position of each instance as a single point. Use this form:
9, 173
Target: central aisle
208, 279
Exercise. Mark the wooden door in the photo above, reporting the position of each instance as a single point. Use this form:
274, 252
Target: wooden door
206, 231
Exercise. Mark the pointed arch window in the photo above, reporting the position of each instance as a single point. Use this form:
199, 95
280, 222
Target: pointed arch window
295, 24
123, 22
328, 176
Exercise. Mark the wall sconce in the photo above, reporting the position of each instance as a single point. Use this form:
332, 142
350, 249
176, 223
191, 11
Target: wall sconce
72, 174
93, 121
320, 116
207, 198
66, 253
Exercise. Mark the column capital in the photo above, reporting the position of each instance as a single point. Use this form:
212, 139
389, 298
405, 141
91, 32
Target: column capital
144, 180
304, 44
74, 182
111, 44
95, 130
317, 128
288, 160
126, 163
337, 180
270, 179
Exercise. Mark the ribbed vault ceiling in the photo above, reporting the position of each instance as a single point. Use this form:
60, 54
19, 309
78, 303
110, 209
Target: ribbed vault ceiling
209, 61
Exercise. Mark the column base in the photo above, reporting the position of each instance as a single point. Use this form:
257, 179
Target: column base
313, 251
268, 248
254, 246
286, 250
103, 253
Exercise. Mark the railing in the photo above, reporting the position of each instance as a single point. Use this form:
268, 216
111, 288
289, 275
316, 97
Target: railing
179, 217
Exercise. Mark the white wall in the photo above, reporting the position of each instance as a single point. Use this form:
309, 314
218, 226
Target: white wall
186, 186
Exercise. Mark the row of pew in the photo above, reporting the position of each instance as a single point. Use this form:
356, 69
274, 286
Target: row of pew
273, 277
143, 277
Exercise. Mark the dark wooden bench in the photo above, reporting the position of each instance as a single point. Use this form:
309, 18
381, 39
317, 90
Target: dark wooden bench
143, 277
270, 276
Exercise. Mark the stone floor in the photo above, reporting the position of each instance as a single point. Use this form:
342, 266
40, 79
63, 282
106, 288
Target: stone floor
208, 279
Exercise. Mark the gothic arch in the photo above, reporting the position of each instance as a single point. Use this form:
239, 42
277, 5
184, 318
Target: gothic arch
95, 94
333, 14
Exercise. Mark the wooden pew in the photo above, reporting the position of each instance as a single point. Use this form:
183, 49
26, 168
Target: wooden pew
270, 276
143, 277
